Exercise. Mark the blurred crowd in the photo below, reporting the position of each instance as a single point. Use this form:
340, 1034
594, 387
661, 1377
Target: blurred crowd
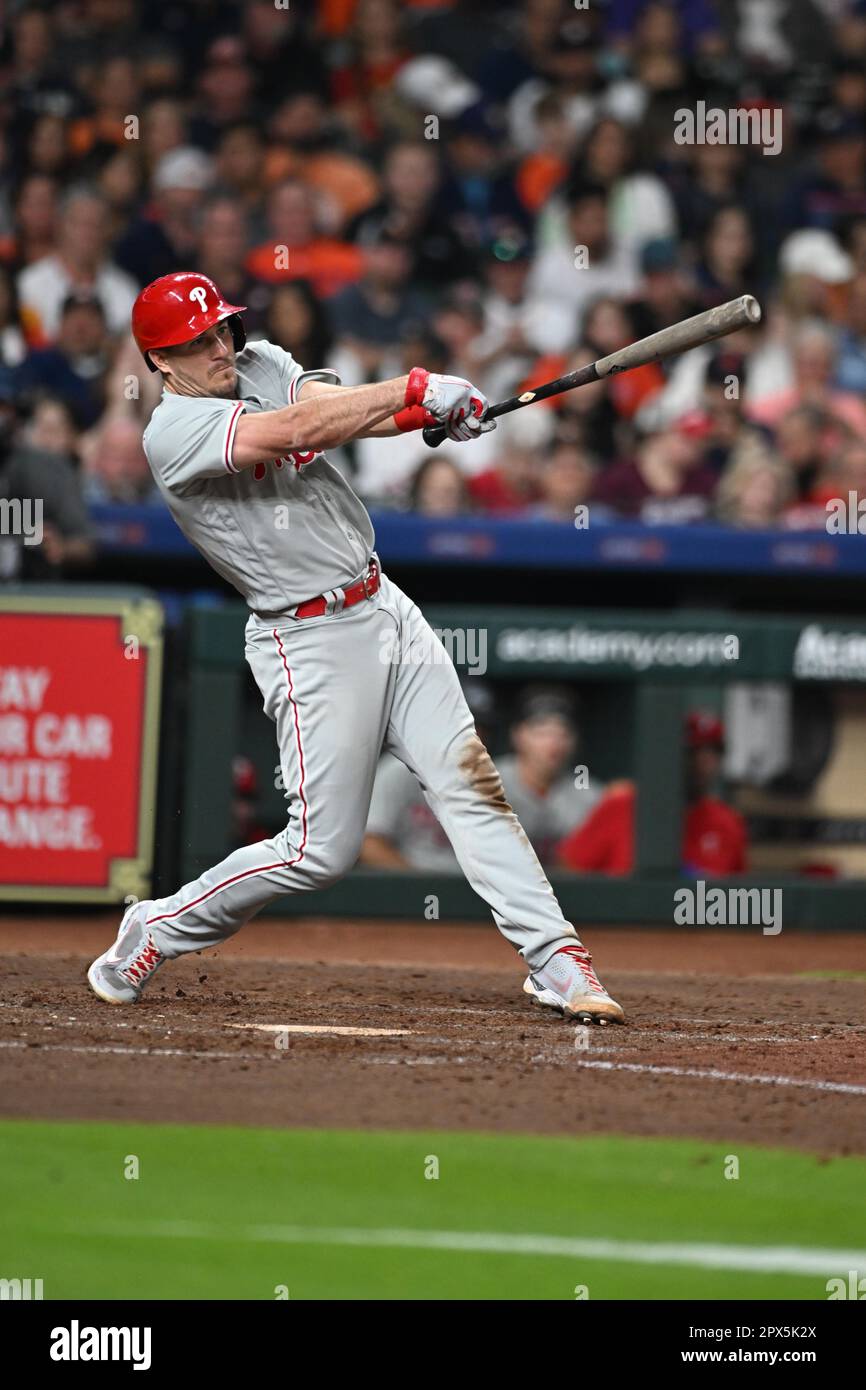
489, 189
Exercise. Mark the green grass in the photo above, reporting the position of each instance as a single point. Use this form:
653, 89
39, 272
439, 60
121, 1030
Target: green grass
70, 1217
830, 975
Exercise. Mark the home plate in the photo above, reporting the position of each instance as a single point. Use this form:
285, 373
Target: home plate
330, 1030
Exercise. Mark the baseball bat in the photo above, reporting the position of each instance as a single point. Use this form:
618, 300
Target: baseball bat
689, 333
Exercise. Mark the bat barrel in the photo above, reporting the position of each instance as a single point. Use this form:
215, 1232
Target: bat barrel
680, 337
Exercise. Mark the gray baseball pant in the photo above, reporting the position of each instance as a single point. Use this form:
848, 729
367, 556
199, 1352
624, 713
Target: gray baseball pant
340, 689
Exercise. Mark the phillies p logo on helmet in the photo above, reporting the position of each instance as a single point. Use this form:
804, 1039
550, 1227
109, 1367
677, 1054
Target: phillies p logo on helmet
177, 308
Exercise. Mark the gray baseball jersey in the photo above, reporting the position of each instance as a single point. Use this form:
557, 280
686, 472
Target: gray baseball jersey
280, 532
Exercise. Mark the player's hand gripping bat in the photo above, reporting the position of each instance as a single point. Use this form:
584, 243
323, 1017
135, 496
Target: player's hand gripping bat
690, 333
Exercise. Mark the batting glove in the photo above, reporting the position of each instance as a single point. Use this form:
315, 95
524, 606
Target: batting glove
458, 405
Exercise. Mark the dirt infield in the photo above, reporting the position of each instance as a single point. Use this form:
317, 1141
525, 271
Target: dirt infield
728, 1038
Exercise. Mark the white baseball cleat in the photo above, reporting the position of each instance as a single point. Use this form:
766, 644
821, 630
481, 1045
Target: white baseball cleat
568, 983
120, 974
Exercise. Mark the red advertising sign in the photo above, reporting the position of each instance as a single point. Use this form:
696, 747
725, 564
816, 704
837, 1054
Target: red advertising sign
79, 692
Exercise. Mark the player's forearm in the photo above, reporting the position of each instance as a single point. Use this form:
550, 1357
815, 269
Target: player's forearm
386, 429
352, 413
323, 421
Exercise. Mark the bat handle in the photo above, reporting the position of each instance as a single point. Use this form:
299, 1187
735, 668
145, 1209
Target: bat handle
433, 435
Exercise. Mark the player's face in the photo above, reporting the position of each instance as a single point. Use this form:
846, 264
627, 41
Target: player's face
702, 768
546, 744
203, 367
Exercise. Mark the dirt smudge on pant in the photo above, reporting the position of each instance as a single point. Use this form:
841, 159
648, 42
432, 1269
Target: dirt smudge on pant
480, 770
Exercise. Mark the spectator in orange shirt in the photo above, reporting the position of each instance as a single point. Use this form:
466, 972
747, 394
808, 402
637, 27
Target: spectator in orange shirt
608, 327
546, 166
714, 838
305, 142
296, 250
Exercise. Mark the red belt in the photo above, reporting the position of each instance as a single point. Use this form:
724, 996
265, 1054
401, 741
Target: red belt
339, 599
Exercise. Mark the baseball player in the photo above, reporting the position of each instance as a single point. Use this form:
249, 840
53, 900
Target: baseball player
345, 662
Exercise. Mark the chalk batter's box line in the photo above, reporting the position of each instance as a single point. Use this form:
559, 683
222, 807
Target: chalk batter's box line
651, 1069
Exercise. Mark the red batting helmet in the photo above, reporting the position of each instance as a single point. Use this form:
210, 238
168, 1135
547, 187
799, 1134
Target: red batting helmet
704, 730
176, 308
